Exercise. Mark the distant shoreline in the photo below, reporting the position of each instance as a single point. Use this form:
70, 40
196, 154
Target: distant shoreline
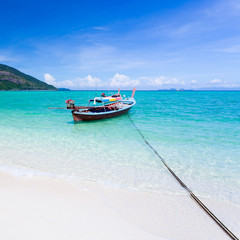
141, 90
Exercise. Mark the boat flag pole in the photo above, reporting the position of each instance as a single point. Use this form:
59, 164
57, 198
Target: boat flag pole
133, 92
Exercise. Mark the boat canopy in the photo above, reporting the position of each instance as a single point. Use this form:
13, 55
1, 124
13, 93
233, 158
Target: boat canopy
105, 99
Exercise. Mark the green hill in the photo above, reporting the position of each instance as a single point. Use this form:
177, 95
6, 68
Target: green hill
12, 79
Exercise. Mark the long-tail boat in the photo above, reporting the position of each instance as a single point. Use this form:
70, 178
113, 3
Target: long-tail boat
112, 106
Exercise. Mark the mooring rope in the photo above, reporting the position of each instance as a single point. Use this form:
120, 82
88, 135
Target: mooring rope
192, 195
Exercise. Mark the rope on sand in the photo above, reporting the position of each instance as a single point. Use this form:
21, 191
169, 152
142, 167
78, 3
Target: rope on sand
192, 195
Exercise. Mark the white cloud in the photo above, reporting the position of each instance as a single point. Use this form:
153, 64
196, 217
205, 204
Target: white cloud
162, 80
49, 79
174, 81
121, 80
158, 81
100, 28
186, 28
232, 49
88, 81
75, 83
2, 58
65, 84
7, 57
216, 80
223, 10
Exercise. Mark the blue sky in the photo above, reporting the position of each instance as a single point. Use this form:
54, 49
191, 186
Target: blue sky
111, 44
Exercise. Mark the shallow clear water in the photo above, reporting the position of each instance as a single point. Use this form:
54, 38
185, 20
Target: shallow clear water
197, 133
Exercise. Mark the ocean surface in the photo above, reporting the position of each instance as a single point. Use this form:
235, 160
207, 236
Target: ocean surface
197, 133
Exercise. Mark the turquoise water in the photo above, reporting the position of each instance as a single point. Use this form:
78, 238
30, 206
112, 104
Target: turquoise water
197, 133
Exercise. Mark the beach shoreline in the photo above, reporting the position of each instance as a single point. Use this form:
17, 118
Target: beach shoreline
51, 208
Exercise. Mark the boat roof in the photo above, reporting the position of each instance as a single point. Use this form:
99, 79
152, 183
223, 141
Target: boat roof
106, 99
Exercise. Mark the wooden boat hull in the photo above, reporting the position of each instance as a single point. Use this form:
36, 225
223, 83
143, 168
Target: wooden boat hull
77, 117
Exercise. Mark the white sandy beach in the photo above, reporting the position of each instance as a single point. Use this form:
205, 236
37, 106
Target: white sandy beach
48, 208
